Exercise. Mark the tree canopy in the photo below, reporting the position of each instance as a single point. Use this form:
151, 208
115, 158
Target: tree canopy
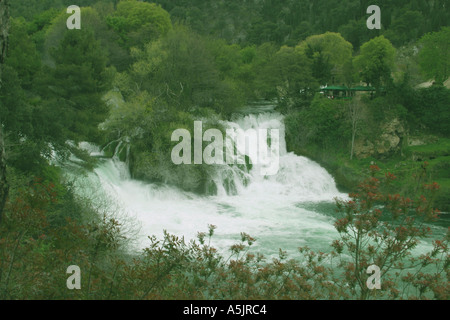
330, 53
139, 70
139, 22
376, 61
434, 57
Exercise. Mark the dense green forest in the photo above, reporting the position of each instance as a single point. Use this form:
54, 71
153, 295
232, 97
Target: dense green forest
138, 70
285, 22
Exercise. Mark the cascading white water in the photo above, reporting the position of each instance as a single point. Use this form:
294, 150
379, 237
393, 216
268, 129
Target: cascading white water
297, 179
287, 210
290, 209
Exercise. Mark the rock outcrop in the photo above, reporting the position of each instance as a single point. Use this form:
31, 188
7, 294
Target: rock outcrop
389, 142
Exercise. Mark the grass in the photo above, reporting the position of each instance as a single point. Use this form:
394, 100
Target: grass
407, 167
441, 148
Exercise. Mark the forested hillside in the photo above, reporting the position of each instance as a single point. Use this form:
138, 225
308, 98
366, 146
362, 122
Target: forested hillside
362, 103
287, 21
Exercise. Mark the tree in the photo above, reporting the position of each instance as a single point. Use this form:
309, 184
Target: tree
376, 61
318, 127
354, 32
379, 228
355, 116
406, 27
22, 54
289, 72
329, 53
180, 69
429, 107
4, 32
434, 57
72, 90
139, 22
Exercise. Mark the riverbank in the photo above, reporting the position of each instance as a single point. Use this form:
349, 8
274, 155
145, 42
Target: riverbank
415, 165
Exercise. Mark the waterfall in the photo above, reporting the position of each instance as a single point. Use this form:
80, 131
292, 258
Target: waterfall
297, 177
291, 208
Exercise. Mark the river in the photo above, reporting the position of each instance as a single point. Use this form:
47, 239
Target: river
292, 208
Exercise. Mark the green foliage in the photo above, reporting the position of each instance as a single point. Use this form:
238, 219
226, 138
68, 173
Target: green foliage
355, 31
289, 77
282, 22
92, 21
15, 114
406, 28
382, 109
74, 87
434, 57
29, 9
433, 150
382, 229
182, 70
22, 55
375, 61
289, 22
318, 129
431, 106
329, 53
219, 55
145, 124
139, 22
36, 250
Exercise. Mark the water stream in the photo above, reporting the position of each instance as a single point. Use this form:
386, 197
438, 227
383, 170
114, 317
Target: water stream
293, 208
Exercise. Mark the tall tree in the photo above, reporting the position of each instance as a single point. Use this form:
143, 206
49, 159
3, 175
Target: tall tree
139, 22
329, 53
434, 57
376, 61
181, 70
355, 115
290, 73
73, 88
4, 31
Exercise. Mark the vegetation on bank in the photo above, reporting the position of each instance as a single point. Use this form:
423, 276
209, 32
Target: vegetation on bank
40, 240
129, 79
387, 134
